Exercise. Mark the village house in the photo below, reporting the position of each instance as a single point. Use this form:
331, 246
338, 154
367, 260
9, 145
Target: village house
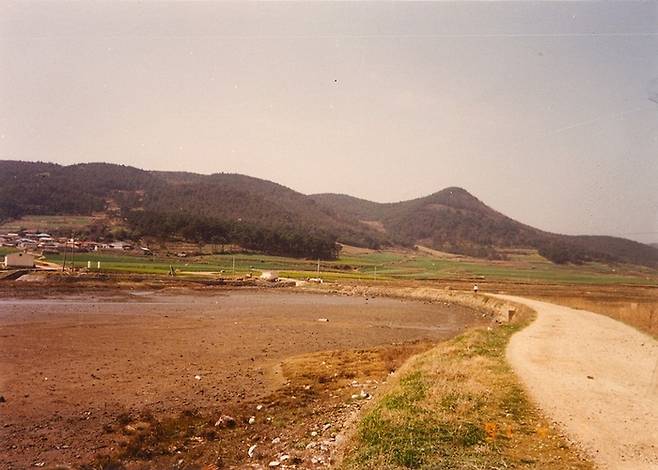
19, 260
26, 244
120, 246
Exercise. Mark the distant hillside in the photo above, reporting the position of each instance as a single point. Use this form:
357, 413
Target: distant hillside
220, 208
453, 220
265, 216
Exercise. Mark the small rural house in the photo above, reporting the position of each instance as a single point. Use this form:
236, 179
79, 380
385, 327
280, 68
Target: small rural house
120, 246
19, 260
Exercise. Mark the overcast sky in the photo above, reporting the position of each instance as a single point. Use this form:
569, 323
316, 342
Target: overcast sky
542, 110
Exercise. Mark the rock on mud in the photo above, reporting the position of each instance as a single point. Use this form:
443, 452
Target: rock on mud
225, 421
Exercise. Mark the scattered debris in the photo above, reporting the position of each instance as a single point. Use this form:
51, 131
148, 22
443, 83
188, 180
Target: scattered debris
591, 377
276, 440
259, 407
225, 421
323, 319
274, 463
251, 450
252, 420
270, 276
197, 377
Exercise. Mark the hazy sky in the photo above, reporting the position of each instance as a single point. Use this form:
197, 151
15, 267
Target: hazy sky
541, 110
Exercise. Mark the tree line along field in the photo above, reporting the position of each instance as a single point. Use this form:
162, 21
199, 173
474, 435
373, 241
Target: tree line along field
374, 265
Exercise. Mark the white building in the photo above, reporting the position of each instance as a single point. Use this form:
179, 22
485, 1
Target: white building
121, 246
19, 260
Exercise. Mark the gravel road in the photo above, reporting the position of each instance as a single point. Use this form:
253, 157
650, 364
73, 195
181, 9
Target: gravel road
597, 378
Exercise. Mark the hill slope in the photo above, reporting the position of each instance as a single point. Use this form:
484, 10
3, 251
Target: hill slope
220, 208
453, 220
263, 215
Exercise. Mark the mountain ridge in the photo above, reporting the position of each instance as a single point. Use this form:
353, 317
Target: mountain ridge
265, 214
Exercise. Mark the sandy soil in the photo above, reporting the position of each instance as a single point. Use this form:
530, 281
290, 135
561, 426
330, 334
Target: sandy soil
596, 377
70, 367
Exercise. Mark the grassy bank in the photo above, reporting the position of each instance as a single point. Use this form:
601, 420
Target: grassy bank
459, 405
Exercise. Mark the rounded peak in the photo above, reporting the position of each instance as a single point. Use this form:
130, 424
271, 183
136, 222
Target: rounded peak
457, 197
456, 191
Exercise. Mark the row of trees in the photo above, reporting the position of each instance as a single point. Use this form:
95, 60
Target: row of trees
563, 253
282, 240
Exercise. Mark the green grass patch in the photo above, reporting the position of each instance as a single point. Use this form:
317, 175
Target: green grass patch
5, 250
458, 406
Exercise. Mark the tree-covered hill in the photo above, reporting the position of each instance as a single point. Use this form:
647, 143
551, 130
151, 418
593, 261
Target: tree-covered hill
266, 216
455, 221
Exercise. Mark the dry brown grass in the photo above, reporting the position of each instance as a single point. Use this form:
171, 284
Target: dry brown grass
362, 363
459, 406
639, 311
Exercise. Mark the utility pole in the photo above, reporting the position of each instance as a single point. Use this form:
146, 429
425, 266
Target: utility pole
318, 267
233, 264
64, 263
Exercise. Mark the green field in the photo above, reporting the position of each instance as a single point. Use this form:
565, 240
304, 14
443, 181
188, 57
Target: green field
160, 265
522, 265
5, 250
384, 265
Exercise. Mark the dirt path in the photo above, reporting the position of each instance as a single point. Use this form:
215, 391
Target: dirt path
596, 377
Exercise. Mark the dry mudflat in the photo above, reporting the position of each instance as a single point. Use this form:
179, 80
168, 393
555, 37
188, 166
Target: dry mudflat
94, 375
596, 377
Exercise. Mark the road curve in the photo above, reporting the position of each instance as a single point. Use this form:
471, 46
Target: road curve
597, 378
